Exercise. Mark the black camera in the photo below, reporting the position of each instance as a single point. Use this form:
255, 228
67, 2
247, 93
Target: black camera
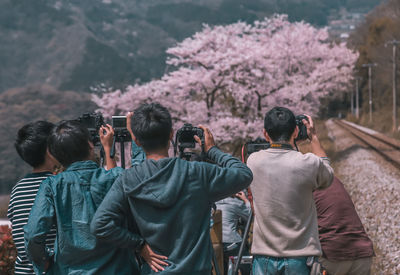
257, 145
121, 133
302, 128
119, 122
185, 136
93, 122
185, 139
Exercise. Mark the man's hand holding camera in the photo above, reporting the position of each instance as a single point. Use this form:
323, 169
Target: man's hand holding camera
316, 147
106, 134
129, 125
208, 139
311, 132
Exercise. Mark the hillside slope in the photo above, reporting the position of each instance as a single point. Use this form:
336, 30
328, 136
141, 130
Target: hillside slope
73, 45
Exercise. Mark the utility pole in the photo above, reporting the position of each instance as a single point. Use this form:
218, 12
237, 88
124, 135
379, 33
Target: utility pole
358, 96
352, 102
394, 43
369, 66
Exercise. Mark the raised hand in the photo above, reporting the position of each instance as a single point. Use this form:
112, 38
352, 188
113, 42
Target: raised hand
316, 147
129, 125
311, 132
208, 138
241, 195
106, 134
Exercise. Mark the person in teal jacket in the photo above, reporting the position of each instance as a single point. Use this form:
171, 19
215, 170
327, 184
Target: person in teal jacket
169, 199
70, 200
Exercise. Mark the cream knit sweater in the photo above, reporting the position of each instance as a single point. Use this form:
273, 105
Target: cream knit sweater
285, 223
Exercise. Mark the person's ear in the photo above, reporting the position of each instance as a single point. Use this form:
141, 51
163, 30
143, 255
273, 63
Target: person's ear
296, 132
52, 158
267, 138
171, 135
92, 155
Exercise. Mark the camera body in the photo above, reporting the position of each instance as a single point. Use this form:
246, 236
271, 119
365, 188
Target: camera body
185, 139
257, 145
119, 122
302, 128
121, 133
93, 122
185, 136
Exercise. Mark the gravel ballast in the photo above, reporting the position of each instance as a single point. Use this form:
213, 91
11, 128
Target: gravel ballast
374, 186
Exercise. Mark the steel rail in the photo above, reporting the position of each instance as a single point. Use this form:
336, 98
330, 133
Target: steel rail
395, 146
356, 133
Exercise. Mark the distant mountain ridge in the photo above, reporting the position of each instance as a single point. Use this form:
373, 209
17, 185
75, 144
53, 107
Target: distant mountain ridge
73, 45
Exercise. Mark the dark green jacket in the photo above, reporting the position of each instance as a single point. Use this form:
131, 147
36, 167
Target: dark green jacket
170, 200
70, 200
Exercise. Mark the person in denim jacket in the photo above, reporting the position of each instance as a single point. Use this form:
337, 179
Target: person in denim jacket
70, 200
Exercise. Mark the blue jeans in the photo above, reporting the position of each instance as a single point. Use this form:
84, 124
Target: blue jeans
264, 265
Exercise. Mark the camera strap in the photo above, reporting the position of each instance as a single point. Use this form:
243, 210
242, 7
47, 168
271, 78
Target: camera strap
281, 146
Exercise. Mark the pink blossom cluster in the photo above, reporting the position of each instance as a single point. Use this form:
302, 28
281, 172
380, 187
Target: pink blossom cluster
227, 77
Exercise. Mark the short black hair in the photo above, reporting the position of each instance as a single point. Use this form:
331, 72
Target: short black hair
152, 126
280, 123
69, 142
31, 142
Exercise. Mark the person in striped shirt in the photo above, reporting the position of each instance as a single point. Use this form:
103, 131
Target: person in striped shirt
31, 145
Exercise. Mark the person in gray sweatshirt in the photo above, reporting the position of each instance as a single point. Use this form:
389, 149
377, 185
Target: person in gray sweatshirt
285, 233
169, 199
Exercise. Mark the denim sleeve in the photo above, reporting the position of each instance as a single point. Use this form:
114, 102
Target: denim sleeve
228, 177
138, 155
109, 221
40, 223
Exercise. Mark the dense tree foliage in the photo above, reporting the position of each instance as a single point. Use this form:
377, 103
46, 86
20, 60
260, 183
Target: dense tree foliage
228, 76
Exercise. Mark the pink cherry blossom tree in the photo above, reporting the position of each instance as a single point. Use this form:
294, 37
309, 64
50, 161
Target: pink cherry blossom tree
227, 77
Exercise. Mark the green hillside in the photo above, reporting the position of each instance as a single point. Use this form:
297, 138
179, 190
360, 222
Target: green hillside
79, 44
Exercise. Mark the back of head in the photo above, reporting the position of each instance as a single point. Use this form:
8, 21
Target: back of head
152, 126
69, 142
31, 142
280, 124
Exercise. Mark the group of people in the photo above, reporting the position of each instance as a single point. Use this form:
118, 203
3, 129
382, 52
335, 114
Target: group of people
155, 216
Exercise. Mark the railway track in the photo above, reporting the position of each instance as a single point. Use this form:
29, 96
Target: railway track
388, 148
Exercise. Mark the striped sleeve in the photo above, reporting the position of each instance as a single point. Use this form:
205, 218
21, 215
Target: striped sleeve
22, 198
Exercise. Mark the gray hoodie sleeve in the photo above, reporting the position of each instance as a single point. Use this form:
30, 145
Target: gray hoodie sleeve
228, 177
109, 221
